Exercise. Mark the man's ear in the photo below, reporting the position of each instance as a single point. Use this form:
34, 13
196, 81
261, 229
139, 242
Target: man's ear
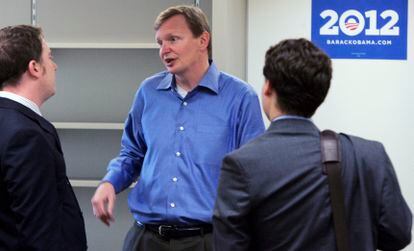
267, 89
204, 39
34, 69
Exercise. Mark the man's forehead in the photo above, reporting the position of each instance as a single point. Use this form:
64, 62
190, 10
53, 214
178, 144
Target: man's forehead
176, 21
45, 46
168, 33
171, 31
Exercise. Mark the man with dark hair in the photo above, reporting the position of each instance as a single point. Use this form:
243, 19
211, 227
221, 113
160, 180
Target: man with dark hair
38, 209
181, 124
272, 192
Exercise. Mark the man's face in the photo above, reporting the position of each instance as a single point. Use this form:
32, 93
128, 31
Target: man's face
49, 68
179, 49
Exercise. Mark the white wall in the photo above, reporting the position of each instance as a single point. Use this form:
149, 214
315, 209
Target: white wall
368, 98
229, 36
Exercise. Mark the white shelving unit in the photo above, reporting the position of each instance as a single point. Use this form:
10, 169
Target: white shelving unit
103, 45
88, 126
95, 90
84, 183
89, 183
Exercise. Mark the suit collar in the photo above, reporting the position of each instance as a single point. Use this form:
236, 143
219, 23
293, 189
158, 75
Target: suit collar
22, 100
13, 105
293, 125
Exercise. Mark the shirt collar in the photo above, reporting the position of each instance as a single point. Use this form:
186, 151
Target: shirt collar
287, 116
209, 80
21, 100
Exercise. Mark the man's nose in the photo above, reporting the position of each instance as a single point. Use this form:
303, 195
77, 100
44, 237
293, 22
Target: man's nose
164, 49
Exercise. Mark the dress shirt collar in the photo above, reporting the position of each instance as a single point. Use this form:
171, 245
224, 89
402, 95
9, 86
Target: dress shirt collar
21, 100
209, 80
287, 116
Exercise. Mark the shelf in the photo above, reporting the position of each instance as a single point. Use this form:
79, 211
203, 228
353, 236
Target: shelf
84, 183
89, 183
103, 45
90, 126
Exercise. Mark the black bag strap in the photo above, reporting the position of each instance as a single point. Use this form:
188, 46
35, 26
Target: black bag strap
331, 158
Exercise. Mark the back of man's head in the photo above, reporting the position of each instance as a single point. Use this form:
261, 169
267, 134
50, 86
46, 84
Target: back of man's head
18, 46
300, 73
196, 20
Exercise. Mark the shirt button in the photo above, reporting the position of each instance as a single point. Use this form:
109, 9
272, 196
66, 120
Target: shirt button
181, 128
178, 154
185, 103
172, 204
174, 179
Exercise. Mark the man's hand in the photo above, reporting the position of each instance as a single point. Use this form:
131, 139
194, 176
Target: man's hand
103, 202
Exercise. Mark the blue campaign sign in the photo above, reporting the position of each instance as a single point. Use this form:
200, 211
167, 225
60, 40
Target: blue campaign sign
369, 29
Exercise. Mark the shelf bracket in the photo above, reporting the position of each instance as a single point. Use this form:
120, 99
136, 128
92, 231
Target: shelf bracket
34, 13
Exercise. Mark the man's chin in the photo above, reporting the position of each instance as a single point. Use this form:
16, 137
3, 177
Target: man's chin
171, 70
50, 94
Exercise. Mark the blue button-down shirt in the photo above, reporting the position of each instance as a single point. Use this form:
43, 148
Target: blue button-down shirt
176, 145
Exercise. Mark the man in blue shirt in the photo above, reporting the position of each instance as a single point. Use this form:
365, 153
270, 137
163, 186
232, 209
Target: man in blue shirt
181, 124
272, 193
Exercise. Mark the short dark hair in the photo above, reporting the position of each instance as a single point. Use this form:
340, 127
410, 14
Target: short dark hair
300, 73
18, 46
196, 20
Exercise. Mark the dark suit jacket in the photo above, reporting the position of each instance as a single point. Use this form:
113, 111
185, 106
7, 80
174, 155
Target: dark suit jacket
38, 209
273, 196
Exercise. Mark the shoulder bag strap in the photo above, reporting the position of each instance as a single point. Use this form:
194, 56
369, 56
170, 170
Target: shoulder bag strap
331, 158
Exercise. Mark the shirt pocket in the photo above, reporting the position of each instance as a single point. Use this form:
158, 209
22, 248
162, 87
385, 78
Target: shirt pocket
213, 142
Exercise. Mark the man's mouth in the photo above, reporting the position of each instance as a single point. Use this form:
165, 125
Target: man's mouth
169, 61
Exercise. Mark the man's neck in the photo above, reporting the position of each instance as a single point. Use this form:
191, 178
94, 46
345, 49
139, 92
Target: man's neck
24, 92
275, 113
192, 77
